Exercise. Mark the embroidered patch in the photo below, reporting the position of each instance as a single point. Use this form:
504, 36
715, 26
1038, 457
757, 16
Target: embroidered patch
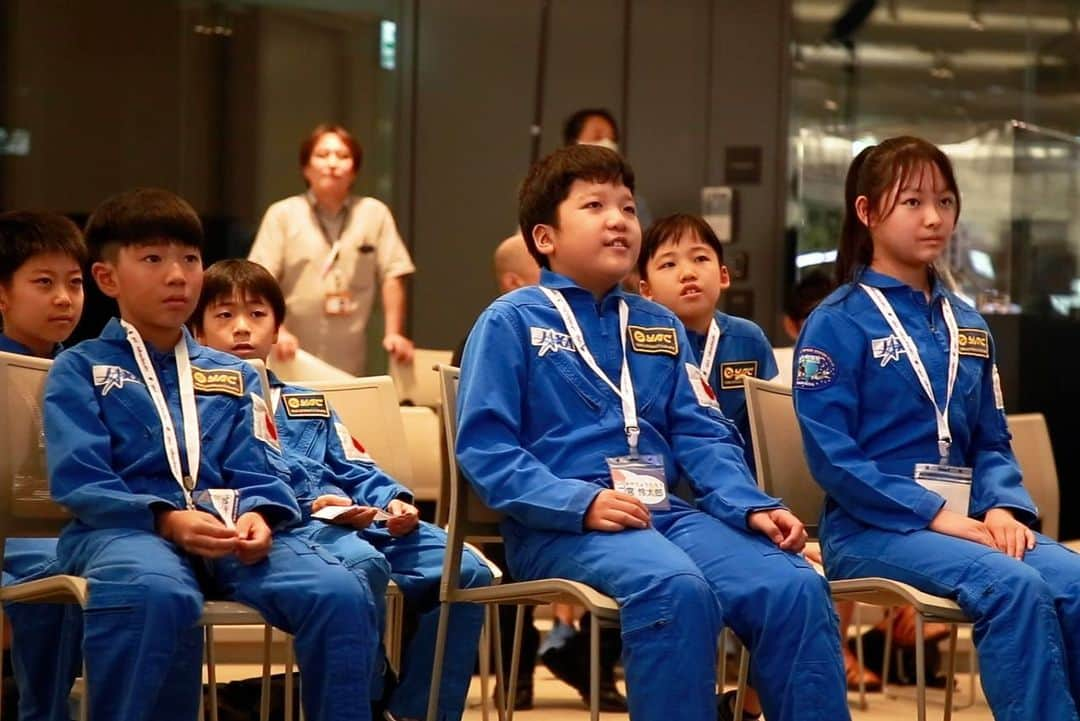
731, 374
263, 425
219, 380
704, 393
653, 340
887, 349
814, 369
550, 341
109, 377
974, 342
306, 405
354, 451
999, 398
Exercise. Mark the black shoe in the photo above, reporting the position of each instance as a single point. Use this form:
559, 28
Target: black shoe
566, 666
610, 698
725, 708
523, 698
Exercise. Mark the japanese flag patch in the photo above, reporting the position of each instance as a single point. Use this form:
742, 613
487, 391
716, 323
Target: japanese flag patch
354, 451
702, 390
263, 425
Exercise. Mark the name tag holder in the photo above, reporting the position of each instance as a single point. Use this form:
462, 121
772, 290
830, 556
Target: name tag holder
641, 477
953, 483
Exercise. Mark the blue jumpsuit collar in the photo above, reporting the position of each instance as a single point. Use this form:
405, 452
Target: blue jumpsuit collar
8, 345
557, 281
880, 280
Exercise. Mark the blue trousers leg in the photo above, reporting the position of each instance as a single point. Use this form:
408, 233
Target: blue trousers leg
670, 615
45, 637
416, 564
1023, 655
143, 651
307, 592
778, 606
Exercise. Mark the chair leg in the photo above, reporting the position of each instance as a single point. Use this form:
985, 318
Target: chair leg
920, 669
84, 702
721, 660
264, 697
744, 675
211, 672
515, 661
594, 670
485, 662
857, 618
886, 659
950, 677
437, 661
289, 679
500, 677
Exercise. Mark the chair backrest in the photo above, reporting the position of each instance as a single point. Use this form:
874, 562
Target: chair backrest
424, 435
26, 508
782, 470
1034, 453
305, 368
368, 407
416, 381
466, 511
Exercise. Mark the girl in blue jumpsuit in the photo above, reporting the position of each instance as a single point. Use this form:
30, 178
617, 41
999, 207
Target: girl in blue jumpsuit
893, 371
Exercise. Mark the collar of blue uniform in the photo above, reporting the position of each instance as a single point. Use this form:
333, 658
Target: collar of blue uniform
275, 382
557, 281
880, 280
114, 331
8, 345
722, 322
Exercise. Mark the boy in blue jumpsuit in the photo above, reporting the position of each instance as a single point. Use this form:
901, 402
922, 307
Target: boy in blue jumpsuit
166, 455
574, 389
904, 425
240, 311
41, 300
682, 268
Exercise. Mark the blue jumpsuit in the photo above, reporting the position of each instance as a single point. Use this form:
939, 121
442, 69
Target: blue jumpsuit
107, 464
313, 441
866, 422
535, 427
743, 350
44, 672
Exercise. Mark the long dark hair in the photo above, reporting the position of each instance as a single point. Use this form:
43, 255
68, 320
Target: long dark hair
874, 172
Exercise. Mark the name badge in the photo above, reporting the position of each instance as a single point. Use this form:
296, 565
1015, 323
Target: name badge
339, 303
642, 478
222, 500
953, 483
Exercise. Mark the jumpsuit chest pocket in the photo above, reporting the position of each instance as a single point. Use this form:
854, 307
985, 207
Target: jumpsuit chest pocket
569, 372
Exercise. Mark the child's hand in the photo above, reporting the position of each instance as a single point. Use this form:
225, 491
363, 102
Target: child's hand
782, 528
359, 517
197, 532
954, 524
1010, 536
613, 511
404, 517
254, 538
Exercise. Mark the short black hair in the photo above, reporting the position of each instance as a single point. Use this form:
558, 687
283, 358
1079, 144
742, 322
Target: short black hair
140, 216
228, 278
669, 229
548, 184
26, 233
806, 294
576, 123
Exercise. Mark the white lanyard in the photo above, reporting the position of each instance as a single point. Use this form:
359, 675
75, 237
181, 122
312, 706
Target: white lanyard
188, 410
944, 435
712, 340
625, 389
275, 399
335, 243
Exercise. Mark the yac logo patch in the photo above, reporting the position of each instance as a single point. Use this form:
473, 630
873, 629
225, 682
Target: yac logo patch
653, 340
974, 342
549, 341
109, 377
731, 374
306, 405
219, 380
814, 369
887, 349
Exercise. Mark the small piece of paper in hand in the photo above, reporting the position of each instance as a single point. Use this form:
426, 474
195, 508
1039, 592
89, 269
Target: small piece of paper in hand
329, 513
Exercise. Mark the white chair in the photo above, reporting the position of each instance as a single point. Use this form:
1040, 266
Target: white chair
423, 435
1035, 454
416, 381
783, 472
305, 367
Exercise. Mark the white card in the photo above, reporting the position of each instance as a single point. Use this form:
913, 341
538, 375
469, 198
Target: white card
329, 513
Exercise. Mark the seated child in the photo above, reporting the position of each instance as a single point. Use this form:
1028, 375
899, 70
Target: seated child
41, 300
682, 268
167, 457
580, 407
240, 311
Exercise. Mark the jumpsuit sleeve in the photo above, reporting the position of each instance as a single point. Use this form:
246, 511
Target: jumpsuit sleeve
78, 449
268, 250
363, 480
490, 443
829, 416
996, 474
708, 449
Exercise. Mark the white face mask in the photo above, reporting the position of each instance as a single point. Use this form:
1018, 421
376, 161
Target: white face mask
602, 142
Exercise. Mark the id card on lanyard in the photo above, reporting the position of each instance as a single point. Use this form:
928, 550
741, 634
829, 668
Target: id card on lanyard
337, 300
951, 482
636, 475
190, 414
